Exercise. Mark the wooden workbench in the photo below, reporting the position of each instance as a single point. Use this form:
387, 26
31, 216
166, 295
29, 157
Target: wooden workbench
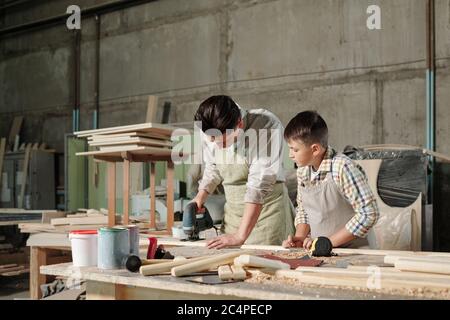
121, 284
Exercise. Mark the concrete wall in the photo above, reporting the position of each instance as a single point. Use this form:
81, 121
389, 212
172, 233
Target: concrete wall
283, 55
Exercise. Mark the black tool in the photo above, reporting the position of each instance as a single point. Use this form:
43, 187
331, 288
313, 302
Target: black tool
195, 221
133, 262
321, 247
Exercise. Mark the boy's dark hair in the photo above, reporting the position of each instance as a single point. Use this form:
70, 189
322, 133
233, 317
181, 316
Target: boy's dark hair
308, 127
218, 112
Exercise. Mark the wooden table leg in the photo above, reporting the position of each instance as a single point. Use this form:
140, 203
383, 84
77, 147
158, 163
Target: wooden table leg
38, 258
111, 194
170, 176
152, 195
126, 191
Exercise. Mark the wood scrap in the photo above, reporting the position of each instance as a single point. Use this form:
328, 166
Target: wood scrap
225, 272
205, 264
238, 273
15, 273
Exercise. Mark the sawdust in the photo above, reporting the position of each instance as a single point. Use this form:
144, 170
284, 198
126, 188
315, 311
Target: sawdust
424, 293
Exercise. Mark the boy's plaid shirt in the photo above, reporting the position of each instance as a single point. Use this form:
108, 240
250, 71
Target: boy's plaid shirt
353, 185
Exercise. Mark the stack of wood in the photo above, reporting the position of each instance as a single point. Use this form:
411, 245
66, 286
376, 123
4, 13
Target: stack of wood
83, 219
130, 138
9, 270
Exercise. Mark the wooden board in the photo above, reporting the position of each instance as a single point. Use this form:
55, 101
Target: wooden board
160, 129
24, 176
2, 155
15, 129
80, 221
136, 140
129, 135
152, 106
134, 150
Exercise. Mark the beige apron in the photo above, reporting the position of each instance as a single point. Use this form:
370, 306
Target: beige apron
327, 209
276, 220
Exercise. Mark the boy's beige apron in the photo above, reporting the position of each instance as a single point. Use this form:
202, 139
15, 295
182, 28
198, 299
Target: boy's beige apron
276, 220
327, 209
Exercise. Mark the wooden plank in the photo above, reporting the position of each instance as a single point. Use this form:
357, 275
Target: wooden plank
388, 252
391, 259
38, 258
152, 106
2, 155
126, 191
440, 267
129, 135
152, 195
131, 141
15, 129
103, 220
160, 129
361, 282
6, 266
140, 150
111, 194
48, 216
170, 176
11, 269
247, 260
206, 264
24, 175
15, 273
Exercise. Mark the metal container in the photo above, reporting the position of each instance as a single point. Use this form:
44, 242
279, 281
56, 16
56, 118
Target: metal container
113, 247
134, 238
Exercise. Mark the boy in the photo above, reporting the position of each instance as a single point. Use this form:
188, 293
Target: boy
334, 199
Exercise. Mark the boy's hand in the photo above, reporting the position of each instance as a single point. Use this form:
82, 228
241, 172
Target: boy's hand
293, 242
307, 243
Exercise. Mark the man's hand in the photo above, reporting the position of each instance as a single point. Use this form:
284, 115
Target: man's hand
293, 242
226, 240
200, 199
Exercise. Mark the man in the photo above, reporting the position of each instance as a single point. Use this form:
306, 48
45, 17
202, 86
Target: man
243, 151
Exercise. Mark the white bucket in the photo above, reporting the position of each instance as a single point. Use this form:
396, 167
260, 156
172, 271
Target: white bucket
84, 247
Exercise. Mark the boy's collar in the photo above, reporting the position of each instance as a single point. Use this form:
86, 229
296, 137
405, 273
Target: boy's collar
325, 165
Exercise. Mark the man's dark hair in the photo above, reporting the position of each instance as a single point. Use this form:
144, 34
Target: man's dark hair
308, 127
218, 112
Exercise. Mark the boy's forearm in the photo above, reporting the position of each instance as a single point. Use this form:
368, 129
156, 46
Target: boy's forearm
341, 237
302, 230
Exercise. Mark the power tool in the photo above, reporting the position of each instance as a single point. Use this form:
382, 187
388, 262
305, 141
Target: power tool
195, 221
